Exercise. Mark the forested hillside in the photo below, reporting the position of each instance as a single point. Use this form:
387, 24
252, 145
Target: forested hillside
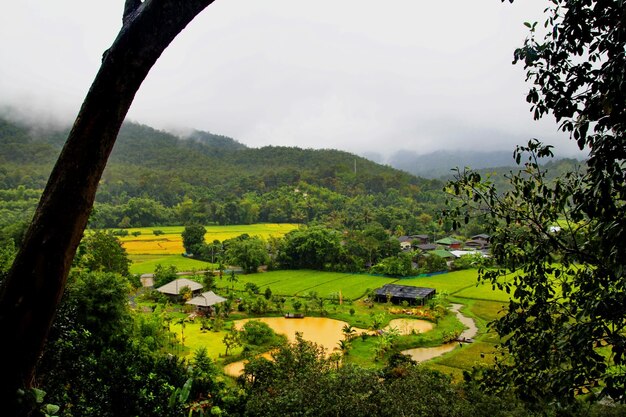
156, 178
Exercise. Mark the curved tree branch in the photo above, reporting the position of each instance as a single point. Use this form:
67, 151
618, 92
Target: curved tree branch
30, 294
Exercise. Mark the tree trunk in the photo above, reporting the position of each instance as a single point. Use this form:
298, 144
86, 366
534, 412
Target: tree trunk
30, 294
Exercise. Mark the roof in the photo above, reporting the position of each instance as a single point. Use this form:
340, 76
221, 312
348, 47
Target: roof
442, 253
175, 286
459, 253
206, 299
412, 238
427, 246
481, 236
477, 243
448, 241
405, 291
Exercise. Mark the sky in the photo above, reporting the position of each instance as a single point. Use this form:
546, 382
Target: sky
363, 76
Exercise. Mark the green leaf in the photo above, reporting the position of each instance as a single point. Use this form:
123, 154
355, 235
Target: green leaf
39, 395
51, 410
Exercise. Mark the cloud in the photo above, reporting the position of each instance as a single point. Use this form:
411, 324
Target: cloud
363, 76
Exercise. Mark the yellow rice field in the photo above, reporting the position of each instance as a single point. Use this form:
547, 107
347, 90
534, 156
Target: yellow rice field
171, 241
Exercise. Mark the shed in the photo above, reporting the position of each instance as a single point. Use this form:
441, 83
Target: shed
421, 238
399, 293
405, 246
459, 253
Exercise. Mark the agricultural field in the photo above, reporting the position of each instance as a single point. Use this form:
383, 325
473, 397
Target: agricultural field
480, 303
146, 264
301, 282
147, 249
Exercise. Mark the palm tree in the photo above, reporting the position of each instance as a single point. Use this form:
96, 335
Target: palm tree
182, 323
348, 331
344, 346
232, 278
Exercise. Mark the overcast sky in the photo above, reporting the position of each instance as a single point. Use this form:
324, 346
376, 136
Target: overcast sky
357, 75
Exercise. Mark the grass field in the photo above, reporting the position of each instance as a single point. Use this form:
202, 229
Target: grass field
146, 264
449, 283
301, 282
460, 285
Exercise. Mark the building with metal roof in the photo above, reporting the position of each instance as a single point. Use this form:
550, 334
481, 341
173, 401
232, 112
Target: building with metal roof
398, 293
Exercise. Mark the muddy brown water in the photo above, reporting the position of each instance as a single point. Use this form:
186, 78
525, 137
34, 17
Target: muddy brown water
323, 331
328, 332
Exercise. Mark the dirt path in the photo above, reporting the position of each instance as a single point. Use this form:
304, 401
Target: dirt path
425, 354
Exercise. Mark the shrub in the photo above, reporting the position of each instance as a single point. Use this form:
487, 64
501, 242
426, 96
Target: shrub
256, 333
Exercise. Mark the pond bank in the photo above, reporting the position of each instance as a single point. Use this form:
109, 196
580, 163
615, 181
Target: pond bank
328, 332
425, 354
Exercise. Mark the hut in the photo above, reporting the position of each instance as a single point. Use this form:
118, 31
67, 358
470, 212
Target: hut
400, 293
172, 289
206, 300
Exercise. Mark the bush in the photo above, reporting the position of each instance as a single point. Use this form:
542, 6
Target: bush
256, 333
432, 263
251, 287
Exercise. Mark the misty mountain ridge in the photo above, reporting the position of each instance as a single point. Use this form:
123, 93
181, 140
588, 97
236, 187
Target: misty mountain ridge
152, 160
142, 145
441, 163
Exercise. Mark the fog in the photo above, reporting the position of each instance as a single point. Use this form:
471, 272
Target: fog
363, 76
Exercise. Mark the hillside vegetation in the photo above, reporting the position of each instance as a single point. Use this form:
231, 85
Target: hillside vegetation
155, 178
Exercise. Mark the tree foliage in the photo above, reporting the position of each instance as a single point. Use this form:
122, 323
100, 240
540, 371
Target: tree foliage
399, 265
249, 253
193, 238
315, 247
561, 242
102, 251
302, 380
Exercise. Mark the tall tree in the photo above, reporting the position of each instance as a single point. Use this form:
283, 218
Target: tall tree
193, 238
249, 253
565, 327
102, 251
31, 292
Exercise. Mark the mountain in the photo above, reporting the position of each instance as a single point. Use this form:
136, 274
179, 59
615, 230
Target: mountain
155, 178
439, 164
215, 141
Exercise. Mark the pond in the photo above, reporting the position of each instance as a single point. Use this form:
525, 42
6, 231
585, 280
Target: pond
408, 326
323, 331
424, 354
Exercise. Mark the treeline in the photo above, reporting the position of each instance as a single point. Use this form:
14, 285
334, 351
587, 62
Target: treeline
302, 203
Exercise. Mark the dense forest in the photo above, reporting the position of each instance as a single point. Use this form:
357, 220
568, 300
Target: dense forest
156, 178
